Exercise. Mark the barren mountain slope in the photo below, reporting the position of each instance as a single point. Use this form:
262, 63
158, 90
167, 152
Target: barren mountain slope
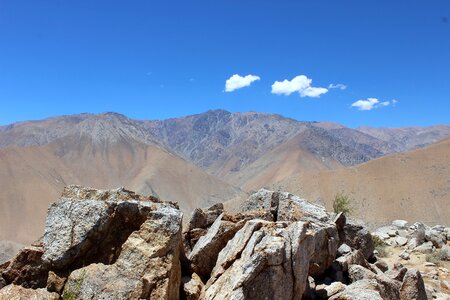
414, 186
32, 177
408, 138
225, 143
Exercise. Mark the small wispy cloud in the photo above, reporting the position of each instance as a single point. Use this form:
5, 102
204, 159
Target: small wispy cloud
237, 82
300, 84
372, 103
339, 86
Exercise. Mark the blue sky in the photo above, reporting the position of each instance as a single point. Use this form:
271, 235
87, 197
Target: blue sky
160, 59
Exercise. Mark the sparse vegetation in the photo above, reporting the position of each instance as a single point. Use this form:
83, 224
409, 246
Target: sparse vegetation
380, 246
342, 203
436, 257
71, 294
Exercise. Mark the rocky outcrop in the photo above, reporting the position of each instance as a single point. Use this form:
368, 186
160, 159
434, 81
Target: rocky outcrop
119, 245
17, 292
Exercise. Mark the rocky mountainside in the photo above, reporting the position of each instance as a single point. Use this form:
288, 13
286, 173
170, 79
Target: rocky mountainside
103, 151
196, 160
413, 185
406, 138
115, 244
224, 143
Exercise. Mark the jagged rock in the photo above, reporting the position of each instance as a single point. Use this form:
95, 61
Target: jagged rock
356, 257
92, 225
438, 239
148, 265
413, 287
197, 220
55, 283
27, 268
357, 236
192, 287
400, 223
17, 292
285, 206
204, 255
357, 272
425, 248
264, 260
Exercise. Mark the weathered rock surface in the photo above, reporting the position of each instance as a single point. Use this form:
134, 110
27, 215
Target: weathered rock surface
17, 292
118, 245
148, 266
265, 260
413, 287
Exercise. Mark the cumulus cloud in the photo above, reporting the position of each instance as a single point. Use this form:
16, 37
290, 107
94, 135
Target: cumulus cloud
300, 84
372, 103
339, 86
236, 82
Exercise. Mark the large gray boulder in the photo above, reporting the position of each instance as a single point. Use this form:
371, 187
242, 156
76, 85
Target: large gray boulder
88, 225
264, 260
148, 266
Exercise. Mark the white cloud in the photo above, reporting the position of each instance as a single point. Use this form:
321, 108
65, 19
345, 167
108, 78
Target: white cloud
372, 103
337, 86
300, 84
236, 82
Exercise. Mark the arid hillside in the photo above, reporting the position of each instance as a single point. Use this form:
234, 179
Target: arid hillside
414, 186
32, 177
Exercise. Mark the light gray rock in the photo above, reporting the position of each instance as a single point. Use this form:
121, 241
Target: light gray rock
344, 249
425, 248
413, 287
192, 287
437, 238
325, 291
148, 265
445, 252
285, 206
264, 260
204, 255
400, 224
357, 272
88, 223
17, 292
360, 290
401, 241
405, 255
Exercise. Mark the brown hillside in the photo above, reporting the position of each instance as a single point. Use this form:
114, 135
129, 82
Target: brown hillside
414, 186
32, 177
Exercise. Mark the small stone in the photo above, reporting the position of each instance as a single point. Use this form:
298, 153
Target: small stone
400, 223
404, 255
382, 265
401, 241
55, 283
344, 249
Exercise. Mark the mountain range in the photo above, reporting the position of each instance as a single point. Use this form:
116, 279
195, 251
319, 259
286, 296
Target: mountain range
211, 157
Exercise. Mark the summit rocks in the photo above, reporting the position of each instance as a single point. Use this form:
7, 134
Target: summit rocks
115, 244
